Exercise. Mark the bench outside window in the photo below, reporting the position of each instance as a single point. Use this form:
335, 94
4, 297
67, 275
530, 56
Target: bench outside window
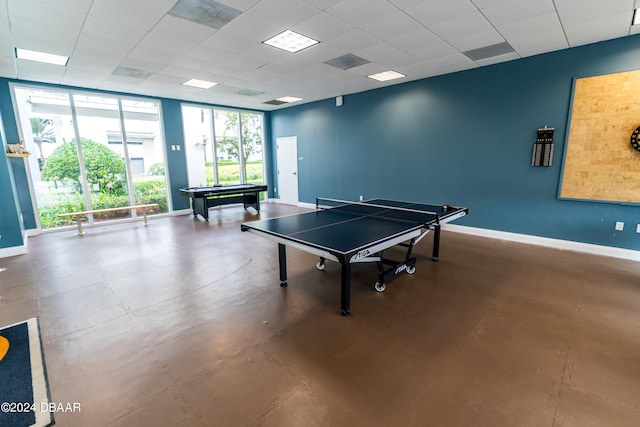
78, 215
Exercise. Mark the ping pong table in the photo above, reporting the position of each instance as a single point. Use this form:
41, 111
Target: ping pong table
357, 232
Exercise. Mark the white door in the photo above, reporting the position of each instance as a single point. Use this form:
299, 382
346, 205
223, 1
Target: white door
287, 158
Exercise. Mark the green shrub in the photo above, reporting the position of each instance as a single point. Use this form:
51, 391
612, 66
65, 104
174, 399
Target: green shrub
104, 167
156, 169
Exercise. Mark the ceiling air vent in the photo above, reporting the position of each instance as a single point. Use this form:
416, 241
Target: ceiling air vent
274, 102
489, 51
206, 12
347, 61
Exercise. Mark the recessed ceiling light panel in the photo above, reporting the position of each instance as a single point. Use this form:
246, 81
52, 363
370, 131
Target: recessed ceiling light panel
290, 41
202, 84
48, 58
289, 99
386, 75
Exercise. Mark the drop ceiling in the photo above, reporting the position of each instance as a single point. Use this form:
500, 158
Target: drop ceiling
146, 47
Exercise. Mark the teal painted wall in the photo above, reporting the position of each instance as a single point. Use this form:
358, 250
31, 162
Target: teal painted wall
176, 159
464, 138
11, 228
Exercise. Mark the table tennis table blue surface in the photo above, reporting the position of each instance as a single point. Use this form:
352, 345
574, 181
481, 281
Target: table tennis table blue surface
347, 228
357, 232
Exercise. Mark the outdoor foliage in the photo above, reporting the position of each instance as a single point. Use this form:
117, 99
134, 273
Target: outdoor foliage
156, 169
148, 191
43, 132
251, 134
105, 168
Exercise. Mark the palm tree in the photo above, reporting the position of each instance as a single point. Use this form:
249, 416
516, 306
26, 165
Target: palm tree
42, 132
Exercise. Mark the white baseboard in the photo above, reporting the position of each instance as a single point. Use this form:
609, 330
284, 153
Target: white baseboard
13, 251
546, 241
536, 240
182, 212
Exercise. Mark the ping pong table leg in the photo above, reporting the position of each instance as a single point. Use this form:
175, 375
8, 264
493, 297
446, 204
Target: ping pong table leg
345, 292
282, 260
436, 242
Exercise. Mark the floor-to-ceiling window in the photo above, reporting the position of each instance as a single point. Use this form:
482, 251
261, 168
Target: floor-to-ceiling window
91, 151
223, 147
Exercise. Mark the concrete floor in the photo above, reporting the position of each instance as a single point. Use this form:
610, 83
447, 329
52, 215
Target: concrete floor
183, 323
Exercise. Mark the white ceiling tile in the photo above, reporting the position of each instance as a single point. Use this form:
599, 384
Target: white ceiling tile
484, 4
433, 49
126, 12
242, 5
322, 4
595, 10
322, 27
540, 43
284, 14
95, 55
404, 4
147, 65
419, 70
348, 42
245, 62
561, 4
395, 25
250, 28
8, 67
361, 12
81, 6
210, 54
512, 11
163, 6
267, 53
415, 41
385, 55
31, 70
462, 26
43, 37
433, 12
540, 24
89, 42
6, 42
169, 45
451, 63
51, 15
166, 79
607, 27
83, 78
129, 34
476, 40
78, 64
172, 27
228, 42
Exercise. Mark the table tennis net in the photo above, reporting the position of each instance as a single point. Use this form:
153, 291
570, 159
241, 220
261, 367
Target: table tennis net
383, 209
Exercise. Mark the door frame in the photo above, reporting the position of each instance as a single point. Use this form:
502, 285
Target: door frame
287, 160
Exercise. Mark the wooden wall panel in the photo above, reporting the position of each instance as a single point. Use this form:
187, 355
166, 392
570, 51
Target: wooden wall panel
600, 163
